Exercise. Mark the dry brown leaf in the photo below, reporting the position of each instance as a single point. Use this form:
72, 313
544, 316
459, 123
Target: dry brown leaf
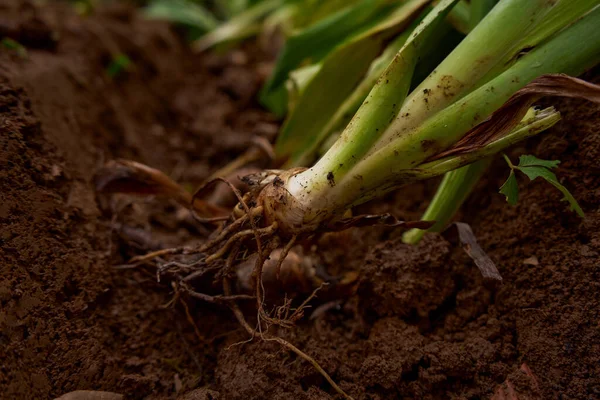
512, 112
130, 177
468, 241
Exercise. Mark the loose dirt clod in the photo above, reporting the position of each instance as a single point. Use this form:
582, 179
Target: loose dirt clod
90, 395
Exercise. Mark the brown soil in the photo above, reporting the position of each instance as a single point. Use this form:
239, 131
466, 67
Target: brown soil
422, 323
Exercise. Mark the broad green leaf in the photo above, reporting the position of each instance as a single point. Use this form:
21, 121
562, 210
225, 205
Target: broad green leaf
344, 113
529, 160
332, 85
311, 11
510, 189
182, 12
243, 25
321, 96
535, 171
316, 41
299, 80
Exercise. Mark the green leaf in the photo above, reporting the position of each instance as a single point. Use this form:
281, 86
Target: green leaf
331, 85
535, 171
10, 44
241, 26
311, 11
529, 160
510, 189
316, 41
229, 8
183, 12
383, 101
118, 65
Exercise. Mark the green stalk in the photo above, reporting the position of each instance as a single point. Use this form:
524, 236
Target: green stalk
352, 103
388, 113
454, 189
572, 51
451, 193
382, 104
481, 50
542, 120
302, 132
559, 17
429, 58
376, 172
456, 185
479, 9
460, 16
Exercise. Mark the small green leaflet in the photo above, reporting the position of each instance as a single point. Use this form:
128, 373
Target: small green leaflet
511, 189
10, 44
536, 171
119, 64
533, 167
529, 160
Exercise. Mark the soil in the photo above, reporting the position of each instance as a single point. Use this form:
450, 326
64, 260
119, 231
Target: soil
420, 323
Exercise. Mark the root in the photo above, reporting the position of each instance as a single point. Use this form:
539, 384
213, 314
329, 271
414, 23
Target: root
179, 266
188, 315
284, 254
238, 237
218, 299
159, 253
299, 312
211, 220
237, 224
312, 361
232, 240
200, 274
253, 333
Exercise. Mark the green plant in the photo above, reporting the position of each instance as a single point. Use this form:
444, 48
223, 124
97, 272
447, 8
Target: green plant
474, 103
456, 185
325, 95
11, 44
247, 22
118, 65
192, 15
396, 137
535, 168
